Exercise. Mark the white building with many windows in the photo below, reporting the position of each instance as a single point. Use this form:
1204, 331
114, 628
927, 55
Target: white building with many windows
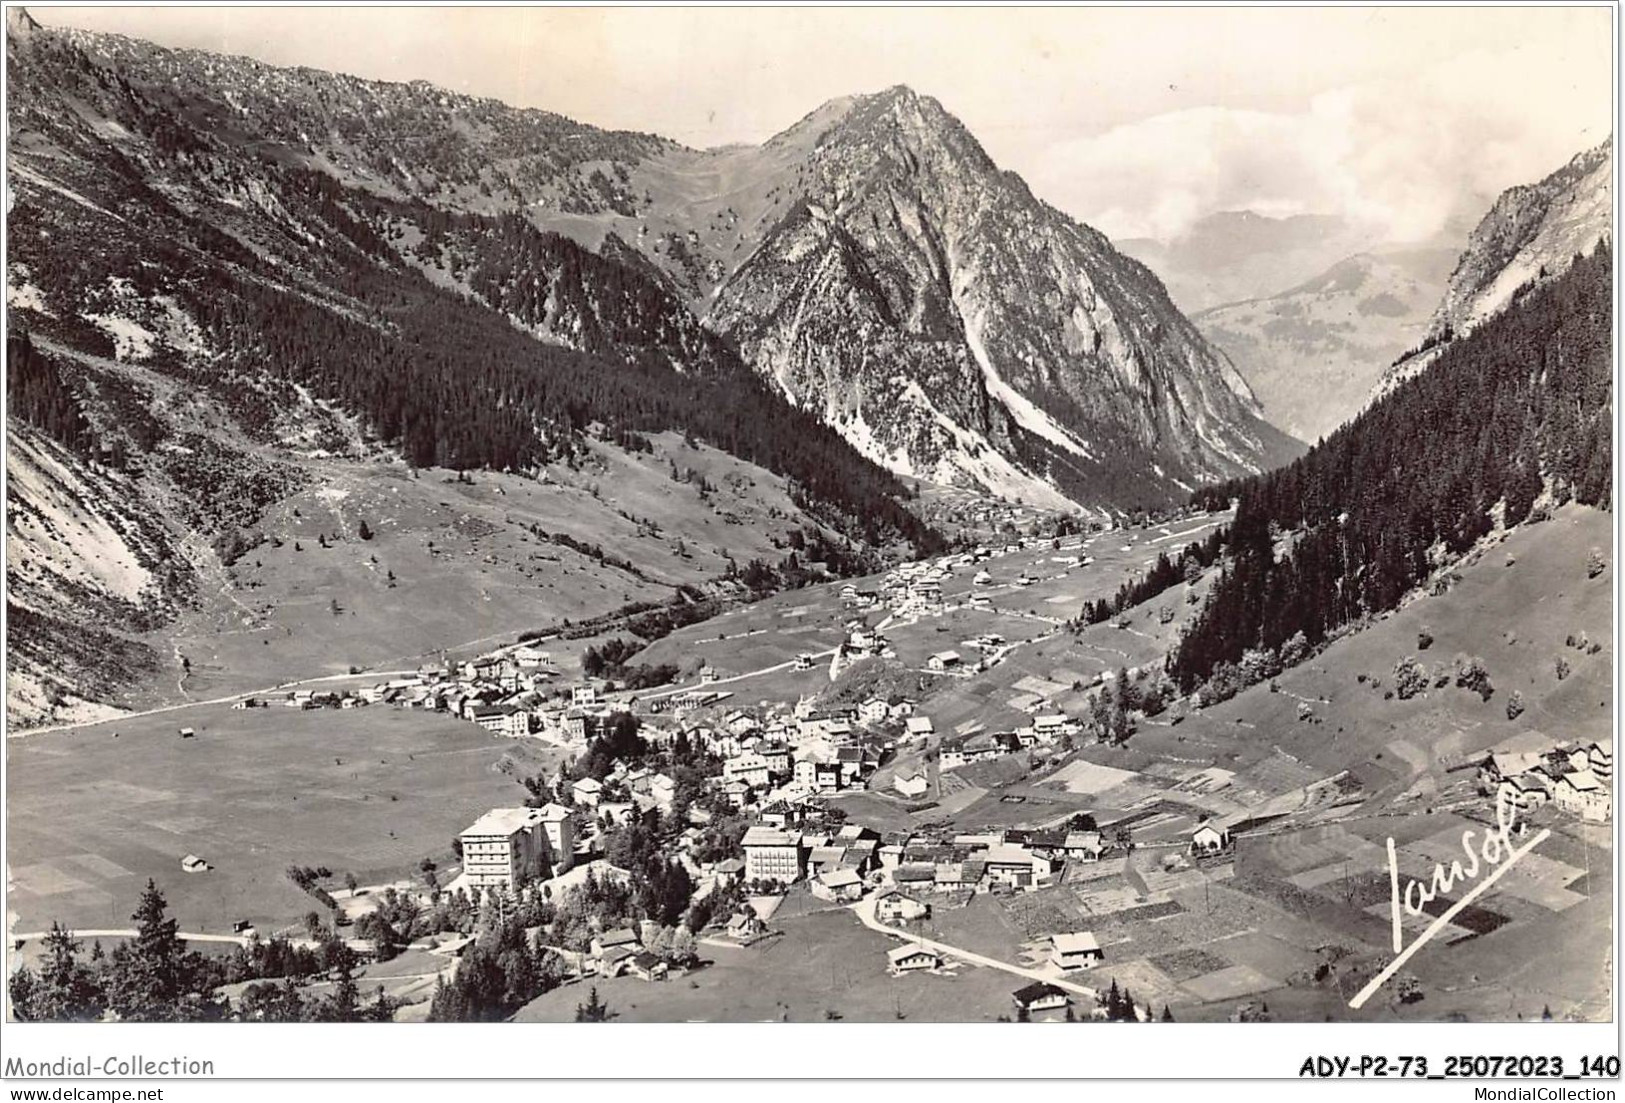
506, 846
771, 855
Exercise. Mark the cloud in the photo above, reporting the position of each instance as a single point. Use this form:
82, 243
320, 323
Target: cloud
1396, 157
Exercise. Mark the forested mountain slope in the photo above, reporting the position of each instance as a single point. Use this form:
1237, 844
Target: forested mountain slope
1517, 413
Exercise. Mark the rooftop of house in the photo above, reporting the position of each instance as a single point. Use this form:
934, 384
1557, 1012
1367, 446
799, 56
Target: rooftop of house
1076, 942
1038, 990
768, 836
1007, 855
1583, 780
505, 821
903, 953
840, 878
1508, 764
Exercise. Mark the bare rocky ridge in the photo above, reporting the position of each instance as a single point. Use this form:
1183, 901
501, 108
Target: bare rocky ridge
1531, 234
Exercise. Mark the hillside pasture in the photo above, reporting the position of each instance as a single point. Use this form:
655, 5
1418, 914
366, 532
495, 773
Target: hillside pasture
370, 791
468, 571
821, 963
1517, 618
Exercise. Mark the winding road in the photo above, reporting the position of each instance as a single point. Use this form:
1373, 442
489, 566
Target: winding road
786, 665
187, 936
865, 911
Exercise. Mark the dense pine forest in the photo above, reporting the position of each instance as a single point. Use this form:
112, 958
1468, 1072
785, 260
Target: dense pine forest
619, 307
1521, 406
37, 393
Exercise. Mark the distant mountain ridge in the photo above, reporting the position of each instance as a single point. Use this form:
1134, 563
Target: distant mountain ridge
1313, 352
1064, 377
1238, 256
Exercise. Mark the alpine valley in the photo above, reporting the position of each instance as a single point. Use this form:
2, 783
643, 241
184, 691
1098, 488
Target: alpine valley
466, 565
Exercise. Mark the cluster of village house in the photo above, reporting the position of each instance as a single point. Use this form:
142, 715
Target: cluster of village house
784, 754
907, 873
515, 692
915, 590
913, 867
1576, 779
783, 766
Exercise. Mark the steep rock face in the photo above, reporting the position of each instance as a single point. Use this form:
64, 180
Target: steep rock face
1312, 353
1530, 235
938, 313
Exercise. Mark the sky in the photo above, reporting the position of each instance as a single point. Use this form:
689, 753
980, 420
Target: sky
1139, 121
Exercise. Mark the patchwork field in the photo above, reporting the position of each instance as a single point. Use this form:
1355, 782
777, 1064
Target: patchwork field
1088, 778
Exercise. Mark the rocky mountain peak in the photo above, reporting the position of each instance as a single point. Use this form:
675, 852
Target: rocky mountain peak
871, 262
958, 329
